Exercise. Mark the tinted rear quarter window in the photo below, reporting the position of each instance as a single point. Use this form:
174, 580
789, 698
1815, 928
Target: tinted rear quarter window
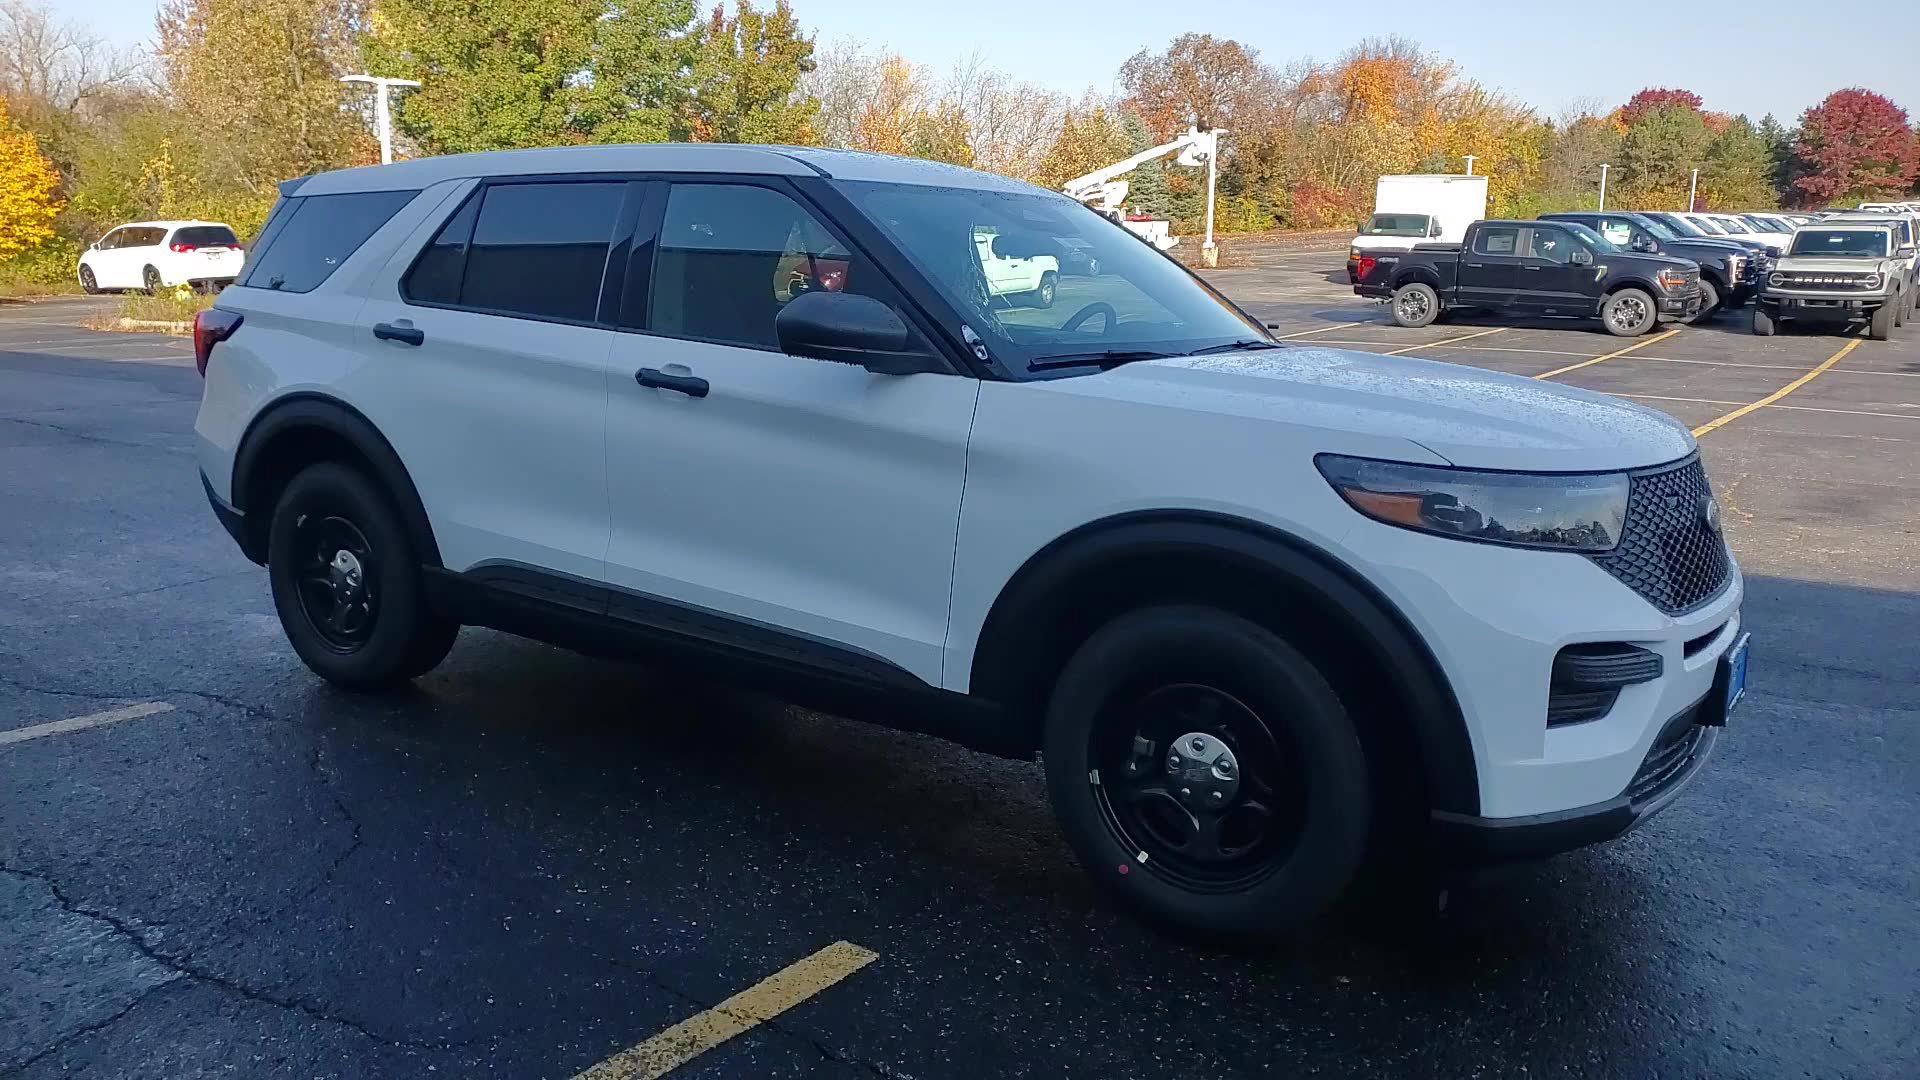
205, 236
539, 249
319, 232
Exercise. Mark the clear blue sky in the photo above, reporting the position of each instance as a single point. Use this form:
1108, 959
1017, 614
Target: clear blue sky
1756, 57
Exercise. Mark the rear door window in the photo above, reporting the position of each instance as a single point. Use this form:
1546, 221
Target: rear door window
1498, 240
318, 234
540, 250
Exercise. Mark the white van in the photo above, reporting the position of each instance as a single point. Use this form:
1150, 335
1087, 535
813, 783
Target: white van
1418, 209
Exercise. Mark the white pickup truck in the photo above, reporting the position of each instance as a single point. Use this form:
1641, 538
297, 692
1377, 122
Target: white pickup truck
1025, 279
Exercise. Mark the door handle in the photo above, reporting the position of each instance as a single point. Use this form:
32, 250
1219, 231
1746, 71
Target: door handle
1476, 266
690, 385
1535, 269
405, 335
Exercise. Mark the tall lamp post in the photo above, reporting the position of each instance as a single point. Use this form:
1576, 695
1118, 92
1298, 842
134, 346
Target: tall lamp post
1603, 186
1470, 160
1693, 187
382, 109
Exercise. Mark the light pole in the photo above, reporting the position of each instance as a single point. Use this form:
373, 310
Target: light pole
1209, 256
1692, 188
383, 114
1603, 186
1470, 160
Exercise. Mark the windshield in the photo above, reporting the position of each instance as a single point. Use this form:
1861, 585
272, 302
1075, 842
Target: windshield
1680, 225
1868, 243
995, 256
1706, 227
1657, 229
1594, 240
1763, 224
1396, 225
1733, 225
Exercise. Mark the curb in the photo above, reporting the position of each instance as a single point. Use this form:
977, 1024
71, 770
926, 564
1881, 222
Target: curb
159, 326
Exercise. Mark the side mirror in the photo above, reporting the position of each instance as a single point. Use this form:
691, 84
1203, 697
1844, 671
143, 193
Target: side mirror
1582, 257
849, 329
1906, 251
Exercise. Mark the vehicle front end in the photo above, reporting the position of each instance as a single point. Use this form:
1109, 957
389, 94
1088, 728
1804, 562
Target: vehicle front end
1830, 289
1677, 292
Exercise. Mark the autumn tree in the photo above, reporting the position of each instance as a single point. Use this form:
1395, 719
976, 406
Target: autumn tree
27, 182
744, 79
1197, 81
1658, 153
1582, 141
260, 78
1854, 145
1091, 137
1657, 97
58, 76
1009, 124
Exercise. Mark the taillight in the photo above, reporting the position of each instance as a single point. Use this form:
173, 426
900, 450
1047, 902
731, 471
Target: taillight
183, 247
1365, 265
211, 327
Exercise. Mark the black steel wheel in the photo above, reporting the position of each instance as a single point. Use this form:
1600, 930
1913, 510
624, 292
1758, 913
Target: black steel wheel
1207, 774
346, 582
88, 283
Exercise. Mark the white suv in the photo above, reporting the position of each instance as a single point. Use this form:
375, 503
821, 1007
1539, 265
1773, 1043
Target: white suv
155, 255
1264, 610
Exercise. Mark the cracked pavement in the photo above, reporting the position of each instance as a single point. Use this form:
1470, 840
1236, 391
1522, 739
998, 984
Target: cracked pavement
534, 860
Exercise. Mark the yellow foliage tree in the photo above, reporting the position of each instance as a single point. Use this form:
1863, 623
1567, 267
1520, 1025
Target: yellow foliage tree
27, 183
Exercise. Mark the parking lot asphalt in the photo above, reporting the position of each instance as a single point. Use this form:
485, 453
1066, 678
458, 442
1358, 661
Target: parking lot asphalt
212, 864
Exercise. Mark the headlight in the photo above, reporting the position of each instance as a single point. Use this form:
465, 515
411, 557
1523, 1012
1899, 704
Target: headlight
1777, 279
1559, 511
1734, 263
1672, 279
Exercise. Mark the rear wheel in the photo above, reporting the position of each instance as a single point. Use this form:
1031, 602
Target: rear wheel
1762, 321
1628, 313
1880, 327
1415, 304
347, 585
1206, 773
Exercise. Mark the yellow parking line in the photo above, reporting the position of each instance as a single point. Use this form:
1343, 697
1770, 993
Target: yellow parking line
744, 1011
1777, 394
80, 723
1644, 342
1445, 341
1322, 330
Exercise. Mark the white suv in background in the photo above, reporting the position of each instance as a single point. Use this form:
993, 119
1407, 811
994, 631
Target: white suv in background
1265, 611
155, 255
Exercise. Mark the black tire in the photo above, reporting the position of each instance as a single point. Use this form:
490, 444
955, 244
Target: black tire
1414, 304
1900, 311
150, 280
1629, 313
1709, 303
381, 632
1299, 760
88, 283
1880, 327
1762, 321
1042, 297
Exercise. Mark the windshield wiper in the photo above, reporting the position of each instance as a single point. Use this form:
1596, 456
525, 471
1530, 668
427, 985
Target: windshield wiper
1237, 346
1104, 358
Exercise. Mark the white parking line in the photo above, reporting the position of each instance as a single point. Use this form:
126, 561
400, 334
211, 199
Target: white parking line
81, 723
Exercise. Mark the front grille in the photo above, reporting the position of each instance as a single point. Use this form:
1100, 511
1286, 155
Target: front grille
1863, 282
1668, 551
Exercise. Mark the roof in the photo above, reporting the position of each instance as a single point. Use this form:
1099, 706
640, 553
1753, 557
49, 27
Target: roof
1851, 224
417, 173
168, 224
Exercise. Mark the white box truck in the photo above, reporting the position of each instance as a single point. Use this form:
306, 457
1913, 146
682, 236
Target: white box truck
1429, 208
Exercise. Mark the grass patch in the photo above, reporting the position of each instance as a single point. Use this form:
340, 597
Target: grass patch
171, 312
19, 288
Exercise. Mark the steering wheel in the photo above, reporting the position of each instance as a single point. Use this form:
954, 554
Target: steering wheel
1098, 307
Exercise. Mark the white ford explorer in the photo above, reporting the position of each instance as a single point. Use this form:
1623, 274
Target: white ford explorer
1264, 611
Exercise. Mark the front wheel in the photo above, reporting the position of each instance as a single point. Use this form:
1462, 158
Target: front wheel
1043, 296
1880, 327
1628, 313
1709, 303
1415, 304
88, 283
347, 585
1206, 774
150, 280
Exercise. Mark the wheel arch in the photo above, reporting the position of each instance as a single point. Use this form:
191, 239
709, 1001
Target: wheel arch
306, 428
1422, 275
1080, 580
1642, 284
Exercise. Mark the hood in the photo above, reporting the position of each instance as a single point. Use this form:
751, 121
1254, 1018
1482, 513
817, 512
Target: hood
1642, 258
1833, 264
1468, 416
1707, 243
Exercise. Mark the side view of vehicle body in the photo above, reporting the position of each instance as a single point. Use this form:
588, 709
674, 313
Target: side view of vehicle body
153, 255
1729, 274
1541, 267
757, 413
1843, 273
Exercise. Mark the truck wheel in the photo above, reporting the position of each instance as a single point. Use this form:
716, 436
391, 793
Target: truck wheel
1628, 313
1206, 774
1709, 303
1762, 321
1415, 304
1880, 327
346, 582
1042, 297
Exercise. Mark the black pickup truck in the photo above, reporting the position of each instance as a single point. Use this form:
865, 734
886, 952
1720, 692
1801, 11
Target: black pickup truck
1534, 267
1730, 273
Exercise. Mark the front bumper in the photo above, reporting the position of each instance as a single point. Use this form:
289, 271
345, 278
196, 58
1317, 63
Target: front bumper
1678, 755
1673, 308
1802, 304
